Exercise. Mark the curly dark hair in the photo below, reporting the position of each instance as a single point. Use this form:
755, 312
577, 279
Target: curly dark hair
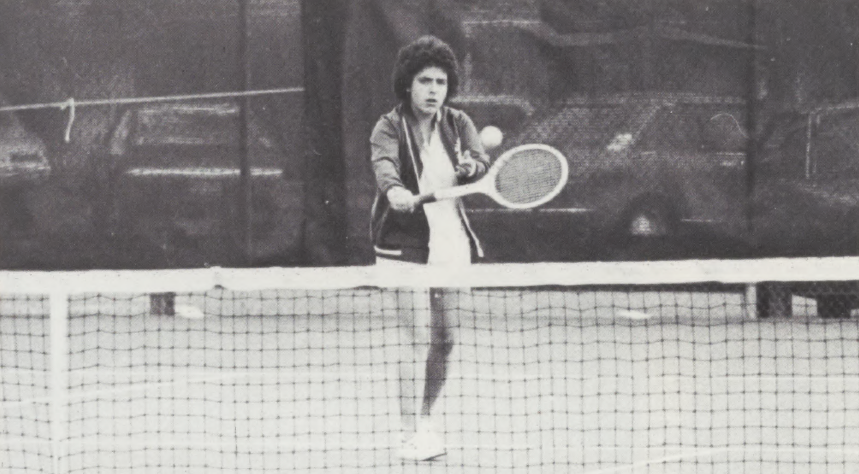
424, 52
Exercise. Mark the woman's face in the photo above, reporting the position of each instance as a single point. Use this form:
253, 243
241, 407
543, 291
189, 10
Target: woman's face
428, 91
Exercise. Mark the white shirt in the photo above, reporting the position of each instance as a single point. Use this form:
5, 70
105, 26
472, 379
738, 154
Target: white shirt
448, 239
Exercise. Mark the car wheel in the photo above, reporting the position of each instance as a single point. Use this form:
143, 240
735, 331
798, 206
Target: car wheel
649, 219
645, 232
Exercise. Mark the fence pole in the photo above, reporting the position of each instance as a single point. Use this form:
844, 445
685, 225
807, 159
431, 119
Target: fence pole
245, 182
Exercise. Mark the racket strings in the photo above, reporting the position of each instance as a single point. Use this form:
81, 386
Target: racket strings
529, 176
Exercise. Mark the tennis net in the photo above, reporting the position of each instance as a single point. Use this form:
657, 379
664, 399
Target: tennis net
666, 367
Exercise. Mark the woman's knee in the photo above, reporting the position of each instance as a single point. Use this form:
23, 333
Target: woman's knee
444, 339
446, 347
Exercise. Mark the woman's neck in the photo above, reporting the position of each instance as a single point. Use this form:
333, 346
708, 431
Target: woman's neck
421, 117
424, 123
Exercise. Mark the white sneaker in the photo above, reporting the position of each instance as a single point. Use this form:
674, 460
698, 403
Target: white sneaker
423, 446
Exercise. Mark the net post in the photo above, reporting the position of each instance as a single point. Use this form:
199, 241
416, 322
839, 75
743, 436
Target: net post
59, 371
750, 301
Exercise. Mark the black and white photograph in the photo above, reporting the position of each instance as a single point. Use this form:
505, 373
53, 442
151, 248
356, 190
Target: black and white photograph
429, 236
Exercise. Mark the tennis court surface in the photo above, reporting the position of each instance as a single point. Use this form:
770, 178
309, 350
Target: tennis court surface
593, 368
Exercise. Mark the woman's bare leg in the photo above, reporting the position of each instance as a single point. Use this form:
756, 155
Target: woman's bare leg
412, 316
444, 321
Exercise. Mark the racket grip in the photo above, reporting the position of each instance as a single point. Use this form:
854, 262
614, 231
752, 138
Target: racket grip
426, 198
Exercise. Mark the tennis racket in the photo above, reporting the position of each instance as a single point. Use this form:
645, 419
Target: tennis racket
521, 178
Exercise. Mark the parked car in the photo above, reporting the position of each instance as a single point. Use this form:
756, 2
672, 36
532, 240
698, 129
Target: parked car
24, 168
174, 186
646, 173
668, 176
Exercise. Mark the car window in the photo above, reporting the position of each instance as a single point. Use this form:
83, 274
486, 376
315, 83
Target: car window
835, 144
697, 128
204, 135
782, 128
672, 128
171, 124
596, 127
607, 127
725, 130
783, 154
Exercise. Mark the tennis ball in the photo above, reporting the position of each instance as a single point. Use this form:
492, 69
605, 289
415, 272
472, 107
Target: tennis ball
491, 137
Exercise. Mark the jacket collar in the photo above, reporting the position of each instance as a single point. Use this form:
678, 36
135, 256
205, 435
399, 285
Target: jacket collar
407, 112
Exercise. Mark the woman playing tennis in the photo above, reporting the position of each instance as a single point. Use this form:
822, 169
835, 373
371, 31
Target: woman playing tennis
423, 146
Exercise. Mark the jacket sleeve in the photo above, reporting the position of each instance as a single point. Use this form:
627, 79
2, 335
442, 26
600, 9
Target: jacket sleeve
471, 142
384, 154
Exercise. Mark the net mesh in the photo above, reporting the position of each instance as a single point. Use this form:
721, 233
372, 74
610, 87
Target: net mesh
529, 176
24, 363
554, 369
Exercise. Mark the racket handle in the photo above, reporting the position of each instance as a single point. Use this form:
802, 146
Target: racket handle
449, 193
426, 198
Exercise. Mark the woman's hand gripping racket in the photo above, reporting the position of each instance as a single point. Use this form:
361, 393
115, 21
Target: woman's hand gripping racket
523, 177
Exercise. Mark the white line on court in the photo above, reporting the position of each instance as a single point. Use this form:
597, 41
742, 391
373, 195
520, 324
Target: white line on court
281, 374
712, 452
684, 453
181, 377
362, 375
21, 441
125, 389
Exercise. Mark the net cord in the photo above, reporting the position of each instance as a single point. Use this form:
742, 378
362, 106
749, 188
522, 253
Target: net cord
477, 275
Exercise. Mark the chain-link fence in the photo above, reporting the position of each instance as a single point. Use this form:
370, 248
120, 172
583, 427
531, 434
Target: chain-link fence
693, 129
157, 134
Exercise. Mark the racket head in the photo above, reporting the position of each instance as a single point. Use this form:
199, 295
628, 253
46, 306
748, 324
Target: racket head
528, 176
